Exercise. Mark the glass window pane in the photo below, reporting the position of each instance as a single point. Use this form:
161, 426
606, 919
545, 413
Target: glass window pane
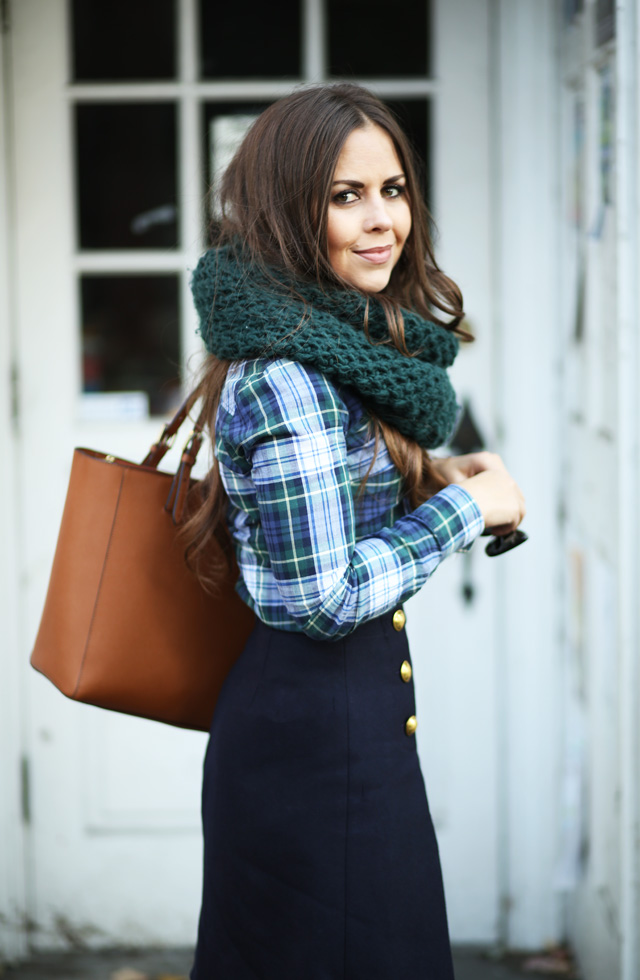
131, 337
414, 117
371, 39
252, 39
224, 124
126, 175
117, 40
605, 20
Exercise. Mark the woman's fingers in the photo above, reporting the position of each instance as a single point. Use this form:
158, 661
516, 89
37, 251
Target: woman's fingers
487, 479
472, 463
499, 498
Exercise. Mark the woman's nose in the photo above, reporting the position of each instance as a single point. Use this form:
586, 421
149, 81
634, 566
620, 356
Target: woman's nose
378, 216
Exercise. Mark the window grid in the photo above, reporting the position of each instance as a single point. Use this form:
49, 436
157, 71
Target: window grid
189, 93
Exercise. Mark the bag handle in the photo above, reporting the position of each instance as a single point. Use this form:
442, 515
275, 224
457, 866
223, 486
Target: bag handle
169, 432
181, 482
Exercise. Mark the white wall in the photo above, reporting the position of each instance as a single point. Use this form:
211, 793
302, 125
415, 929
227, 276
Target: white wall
600, 427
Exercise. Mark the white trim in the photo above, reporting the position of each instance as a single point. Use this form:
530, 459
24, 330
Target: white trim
188, 40
314, 41
457, 698
259, 89
191, 182
503, 873
130, 261
526, 357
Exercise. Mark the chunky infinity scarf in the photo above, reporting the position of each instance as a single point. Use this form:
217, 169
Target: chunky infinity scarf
244, 315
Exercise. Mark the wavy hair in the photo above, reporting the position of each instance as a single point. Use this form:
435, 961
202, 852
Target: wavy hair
274, 199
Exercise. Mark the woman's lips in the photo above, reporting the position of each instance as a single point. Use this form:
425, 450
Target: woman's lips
378, 256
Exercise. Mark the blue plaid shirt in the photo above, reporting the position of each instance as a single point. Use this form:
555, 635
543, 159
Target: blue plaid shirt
313, 555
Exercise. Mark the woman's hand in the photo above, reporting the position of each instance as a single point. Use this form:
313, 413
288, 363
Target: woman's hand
487, 479
453, 469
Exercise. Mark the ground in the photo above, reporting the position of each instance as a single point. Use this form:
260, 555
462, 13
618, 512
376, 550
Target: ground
173, 964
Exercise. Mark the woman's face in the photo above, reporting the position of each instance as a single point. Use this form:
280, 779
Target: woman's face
369, 215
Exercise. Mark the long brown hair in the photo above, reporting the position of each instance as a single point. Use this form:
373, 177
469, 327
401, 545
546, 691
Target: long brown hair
274, 199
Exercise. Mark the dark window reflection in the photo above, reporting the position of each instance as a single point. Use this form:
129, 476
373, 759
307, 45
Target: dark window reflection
373, 39
224, 125
121, 40
414, 117
605, 20
252, 39
126, 175
131, 336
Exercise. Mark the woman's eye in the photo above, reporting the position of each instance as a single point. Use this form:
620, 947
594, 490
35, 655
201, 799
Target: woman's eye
345, 197
393, 190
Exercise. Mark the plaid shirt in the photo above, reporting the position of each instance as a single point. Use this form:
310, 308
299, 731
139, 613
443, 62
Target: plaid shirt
313, 555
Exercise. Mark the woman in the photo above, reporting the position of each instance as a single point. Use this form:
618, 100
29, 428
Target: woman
329, 328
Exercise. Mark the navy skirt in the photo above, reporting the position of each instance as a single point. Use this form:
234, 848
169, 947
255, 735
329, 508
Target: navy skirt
320, 857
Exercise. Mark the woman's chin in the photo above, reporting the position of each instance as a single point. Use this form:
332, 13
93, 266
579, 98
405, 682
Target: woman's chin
373, 281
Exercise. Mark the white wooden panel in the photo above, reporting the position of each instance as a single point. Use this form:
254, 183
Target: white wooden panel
141, 775
527, 352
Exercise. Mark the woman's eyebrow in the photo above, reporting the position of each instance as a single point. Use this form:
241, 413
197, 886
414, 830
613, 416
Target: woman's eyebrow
358, 183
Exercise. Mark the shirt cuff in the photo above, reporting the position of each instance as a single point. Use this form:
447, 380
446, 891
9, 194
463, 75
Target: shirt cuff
453, 517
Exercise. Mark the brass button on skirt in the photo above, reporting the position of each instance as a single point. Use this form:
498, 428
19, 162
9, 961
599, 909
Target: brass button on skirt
410, 725
399, 619
405, 671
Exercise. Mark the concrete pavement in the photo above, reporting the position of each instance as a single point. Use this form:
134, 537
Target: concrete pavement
471, 963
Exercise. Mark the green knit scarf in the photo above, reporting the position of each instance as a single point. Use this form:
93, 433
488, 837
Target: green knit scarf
244, 314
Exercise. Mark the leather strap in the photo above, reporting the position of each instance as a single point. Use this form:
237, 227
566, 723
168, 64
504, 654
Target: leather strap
168, 434
182, 480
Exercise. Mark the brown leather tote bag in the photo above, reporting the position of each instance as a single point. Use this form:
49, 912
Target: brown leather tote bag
126, 624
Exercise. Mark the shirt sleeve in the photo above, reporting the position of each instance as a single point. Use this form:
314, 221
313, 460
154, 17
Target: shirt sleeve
293, 432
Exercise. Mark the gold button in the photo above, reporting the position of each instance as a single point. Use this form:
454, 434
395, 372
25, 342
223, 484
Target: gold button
410, 725
405, 671
399, 619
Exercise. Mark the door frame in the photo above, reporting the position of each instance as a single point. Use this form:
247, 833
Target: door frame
13, 771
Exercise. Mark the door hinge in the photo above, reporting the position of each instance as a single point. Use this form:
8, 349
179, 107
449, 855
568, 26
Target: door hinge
5, 16
25, 789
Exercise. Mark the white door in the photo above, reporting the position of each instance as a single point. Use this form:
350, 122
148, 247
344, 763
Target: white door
116, 136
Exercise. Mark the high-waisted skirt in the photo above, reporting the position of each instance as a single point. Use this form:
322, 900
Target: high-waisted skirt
320, 857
